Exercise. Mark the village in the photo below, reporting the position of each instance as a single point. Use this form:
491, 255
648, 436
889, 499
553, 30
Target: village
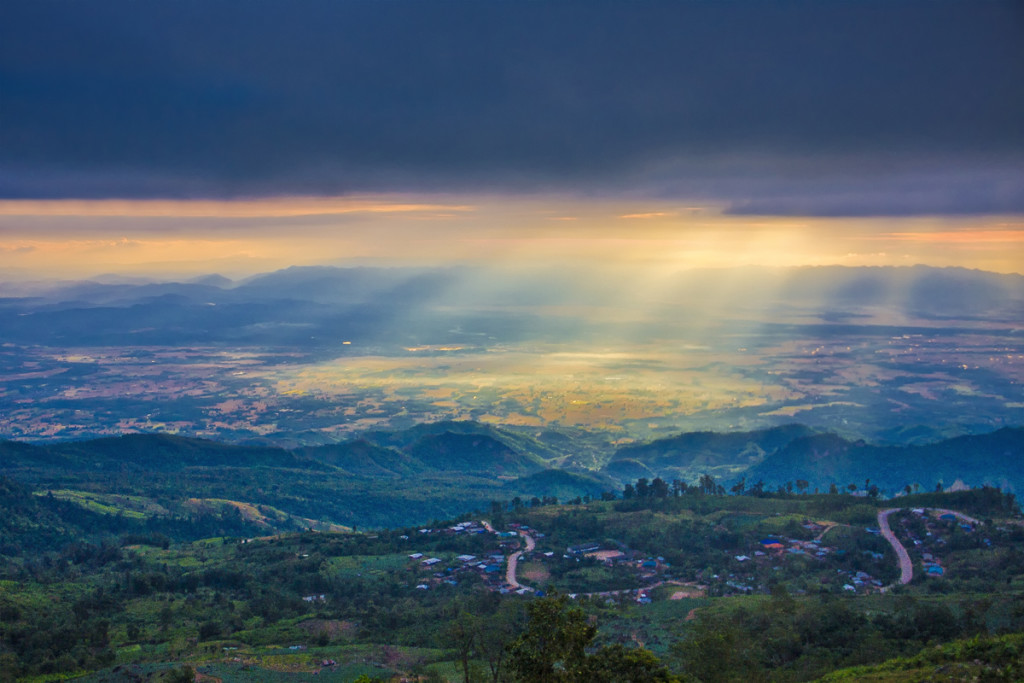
857, 561
930, 534
496, 568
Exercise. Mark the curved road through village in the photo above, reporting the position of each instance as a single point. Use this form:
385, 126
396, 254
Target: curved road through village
906, 566
513, 561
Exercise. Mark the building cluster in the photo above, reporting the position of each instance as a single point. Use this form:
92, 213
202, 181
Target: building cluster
489, 567
770, 554
927, 537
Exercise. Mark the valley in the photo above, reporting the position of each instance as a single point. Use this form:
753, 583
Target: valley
411, 341
380, 474
164, 556
309, 356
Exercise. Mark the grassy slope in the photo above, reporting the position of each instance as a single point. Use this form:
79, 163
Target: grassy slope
999, 658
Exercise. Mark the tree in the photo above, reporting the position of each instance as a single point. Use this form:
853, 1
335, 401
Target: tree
739, 486
620, 664
552, 648
497, 515
495, 634
461, 635
659, 488
715, 650
801, 485
707, 484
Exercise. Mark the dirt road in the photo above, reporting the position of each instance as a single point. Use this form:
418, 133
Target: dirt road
906, 566
513, 561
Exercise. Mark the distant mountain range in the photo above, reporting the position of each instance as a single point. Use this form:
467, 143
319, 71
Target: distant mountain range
310, 307
774, 456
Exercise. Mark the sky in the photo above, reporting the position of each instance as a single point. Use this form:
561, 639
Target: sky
174, 139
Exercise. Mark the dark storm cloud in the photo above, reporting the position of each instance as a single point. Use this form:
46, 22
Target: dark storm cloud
938, 191
219, 98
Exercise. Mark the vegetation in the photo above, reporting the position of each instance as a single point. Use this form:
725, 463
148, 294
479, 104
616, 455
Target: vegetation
553, 649
336, 601
998, 658
232, 564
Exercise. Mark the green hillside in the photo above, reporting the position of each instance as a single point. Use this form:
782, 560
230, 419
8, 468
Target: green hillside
360, 457
995, 459
999, 658
688, 455
416, 475
168, 453
562, 484
665, 598
472, 453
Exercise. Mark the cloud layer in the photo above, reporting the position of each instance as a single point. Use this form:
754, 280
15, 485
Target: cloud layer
888, 108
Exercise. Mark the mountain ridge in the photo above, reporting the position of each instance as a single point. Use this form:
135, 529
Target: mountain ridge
995, 458
773, 455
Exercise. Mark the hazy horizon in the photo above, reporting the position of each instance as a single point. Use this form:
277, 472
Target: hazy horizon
139, 139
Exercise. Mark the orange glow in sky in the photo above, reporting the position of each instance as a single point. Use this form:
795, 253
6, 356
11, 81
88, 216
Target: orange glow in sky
204, 208
75, 238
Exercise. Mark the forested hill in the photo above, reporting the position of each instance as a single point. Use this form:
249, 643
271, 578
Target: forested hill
690, 454
995, 459
162, 483
446, 469
443, 451
168, 453
775, 456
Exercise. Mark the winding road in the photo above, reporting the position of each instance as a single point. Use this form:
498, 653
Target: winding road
513, 561
906, 566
